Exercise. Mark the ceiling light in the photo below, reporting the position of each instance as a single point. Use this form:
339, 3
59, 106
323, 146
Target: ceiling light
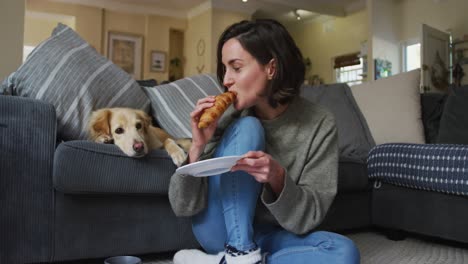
296, 13
245, 1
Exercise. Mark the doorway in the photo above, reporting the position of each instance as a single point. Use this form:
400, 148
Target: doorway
176, 54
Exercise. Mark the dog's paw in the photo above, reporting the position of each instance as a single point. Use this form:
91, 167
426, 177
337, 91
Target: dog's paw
177, 154
178, 157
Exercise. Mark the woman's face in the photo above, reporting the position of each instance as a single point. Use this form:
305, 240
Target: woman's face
244, 75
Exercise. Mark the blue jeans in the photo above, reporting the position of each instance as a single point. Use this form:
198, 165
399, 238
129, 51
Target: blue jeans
232, 198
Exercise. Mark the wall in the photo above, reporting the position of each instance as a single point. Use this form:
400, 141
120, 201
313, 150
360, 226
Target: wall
93, 25
38, 26
154, 30
385, 31
88, 20
445, 15
11, 30
206, 26
221, 20
198, 32
323, 39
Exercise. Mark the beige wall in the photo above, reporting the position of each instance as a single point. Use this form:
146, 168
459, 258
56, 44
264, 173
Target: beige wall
385, 31
208, 27
93, 24
221, 20
154, 30
11, 30
198, 30
38, 26
444, 15
88, 20
158, 38
321, 41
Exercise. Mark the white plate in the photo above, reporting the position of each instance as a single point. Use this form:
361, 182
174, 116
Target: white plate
209, 167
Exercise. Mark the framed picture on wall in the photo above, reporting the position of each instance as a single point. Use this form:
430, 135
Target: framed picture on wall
158, 61
126, 51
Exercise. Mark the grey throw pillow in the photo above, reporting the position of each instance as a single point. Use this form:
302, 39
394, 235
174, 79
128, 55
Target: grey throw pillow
354, 137
67, 72
453, 128
172, 103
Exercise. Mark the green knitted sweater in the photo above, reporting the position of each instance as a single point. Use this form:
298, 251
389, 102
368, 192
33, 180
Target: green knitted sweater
304, 141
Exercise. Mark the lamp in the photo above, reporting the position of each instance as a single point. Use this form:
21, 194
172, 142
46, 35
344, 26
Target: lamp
296, 13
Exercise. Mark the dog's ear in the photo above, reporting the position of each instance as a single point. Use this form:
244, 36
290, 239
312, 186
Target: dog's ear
99, 123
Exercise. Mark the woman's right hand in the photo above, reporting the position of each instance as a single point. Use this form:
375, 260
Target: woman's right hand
200, 136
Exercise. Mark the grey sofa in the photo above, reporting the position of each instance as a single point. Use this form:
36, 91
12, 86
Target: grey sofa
422, 205
79, 199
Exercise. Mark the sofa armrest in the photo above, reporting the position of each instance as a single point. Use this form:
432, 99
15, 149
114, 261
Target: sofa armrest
27, 145
86, 167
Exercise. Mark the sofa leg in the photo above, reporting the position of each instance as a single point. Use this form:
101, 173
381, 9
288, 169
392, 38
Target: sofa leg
395, 234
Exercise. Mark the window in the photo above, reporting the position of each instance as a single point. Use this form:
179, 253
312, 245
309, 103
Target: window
411, 56
349, 69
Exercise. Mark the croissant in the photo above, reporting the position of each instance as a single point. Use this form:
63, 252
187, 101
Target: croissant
222, 102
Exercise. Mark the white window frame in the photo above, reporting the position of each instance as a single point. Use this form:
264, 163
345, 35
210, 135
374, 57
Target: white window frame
357, 72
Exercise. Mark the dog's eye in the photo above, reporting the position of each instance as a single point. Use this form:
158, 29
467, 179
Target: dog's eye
119, 130
138, 126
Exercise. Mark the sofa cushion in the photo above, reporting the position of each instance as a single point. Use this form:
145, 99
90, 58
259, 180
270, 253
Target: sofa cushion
430, 167
173, 102
85, 167
432, 106
352, 175
66, 71
354, 137
453, 127
392, 108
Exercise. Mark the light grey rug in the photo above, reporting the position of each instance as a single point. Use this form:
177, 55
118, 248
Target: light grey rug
375, 248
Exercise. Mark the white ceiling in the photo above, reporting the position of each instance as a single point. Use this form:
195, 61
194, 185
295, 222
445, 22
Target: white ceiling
278, 9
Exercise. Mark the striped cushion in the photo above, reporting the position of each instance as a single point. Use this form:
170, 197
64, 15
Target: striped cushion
172, 103
67, 72
431, 167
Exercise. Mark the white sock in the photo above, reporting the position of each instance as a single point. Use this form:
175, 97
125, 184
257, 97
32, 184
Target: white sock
195, 256
249, 258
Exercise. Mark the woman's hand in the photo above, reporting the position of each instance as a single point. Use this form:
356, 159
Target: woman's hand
263, 168
200, 137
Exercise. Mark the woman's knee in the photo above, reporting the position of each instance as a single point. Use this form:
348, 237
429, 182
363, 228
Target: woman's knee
243, 135
342, 246
211, 240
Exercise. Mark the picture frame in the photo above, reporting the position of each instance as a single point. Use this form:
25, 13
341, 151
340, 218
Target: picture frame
158, 62
126, 51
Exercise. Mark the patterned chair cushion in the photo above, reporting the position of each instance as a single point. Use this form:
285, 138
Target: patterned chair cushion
430, 167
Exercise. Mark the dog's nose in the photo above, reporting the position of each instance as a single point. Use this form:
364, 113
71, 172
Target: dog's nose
138, 147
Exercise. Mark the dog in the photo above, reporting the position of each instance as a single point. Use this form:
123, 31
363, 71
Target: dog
131, 130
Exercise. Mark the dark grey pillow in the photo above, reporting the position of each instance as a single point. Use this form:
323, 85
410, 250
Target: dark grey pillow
453, 128
67, 72
432, 106
354, 137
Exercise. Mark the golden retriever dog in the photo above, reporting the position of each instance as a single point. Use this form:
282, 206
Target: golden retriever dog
132, 132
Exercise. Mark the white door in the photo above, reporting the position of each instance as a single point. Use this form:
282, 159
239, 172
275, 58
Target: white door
435, 62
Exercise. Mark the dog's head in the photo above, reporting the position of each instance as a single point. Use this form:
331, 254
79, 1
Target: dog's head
127, 128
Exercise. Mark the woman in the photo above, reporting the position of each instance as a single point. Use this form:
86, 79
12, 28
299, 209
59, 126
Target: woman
281, 189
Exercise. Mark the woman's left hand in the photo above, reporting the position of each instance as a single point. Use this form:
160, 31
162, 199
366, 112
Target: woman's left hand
263, 168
